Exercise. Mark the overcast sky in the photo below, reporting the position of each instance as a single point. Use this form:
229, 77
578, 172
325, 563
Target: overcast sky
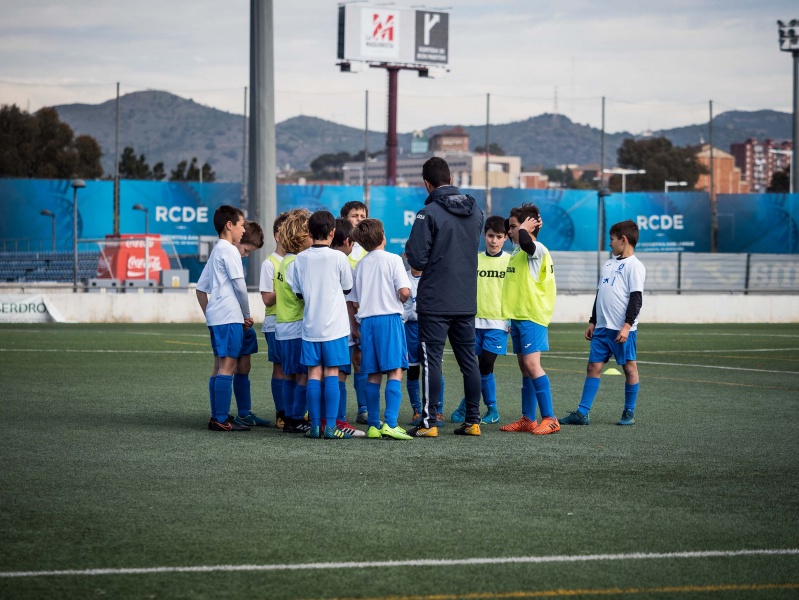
657, 62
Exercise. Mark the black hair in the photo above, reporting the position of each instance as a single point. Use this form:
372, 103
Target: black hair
226, 213
353, 205
320, 224
343, 231
436, 172
369, 233
495, 224
628, 229
525, 211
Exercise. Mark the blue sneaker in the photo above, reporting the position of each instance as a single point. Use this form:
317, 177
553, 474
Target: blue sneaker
575, 418
459, 416
492, 416
627, 417
314, 432
334, 433
252, 420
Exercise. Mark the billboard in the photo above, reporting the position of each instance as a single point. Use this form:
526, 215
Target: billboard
392, 34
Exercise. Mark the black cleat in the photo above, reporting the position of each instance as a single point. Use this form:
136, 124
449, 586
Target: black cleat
228, 424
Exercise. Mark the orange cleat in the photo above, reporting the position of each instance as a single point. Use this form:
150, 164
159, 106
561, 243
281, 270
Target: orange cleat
548, 425
523, 425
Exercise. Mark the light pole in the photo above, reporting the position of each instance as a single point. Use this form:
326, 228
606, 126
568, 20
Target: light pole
789, 153
146, 238
789, 42
76, 185
624, 173
668, 184
49, 213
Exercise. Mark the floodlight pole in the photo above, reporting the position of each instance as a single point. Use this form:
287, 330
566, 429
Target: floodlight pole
76, 185
391, 138
366, 153
116, 169
795, 156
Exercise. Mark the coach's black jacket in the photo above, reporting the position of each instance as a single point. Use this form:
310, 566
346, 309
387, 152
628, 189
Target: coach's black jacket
443, 245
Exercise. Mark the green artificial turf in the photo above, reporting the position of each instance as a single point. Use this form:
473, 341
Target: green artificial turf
106, 462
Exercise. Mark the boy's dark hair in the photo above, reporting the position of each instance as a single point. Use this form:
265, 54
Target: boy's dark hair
253, 234
436, 172
353, 205
343, 231
278, 222
495, 224
320, 224
628, 229
525, 211
369, 233
226, 213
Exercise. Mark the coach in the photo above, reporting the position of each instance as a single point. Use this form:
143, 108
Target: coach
443, 245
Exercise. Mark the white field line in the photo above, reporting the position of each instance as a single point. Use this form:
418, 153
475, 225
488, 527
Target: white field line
409, 563
667, 364
74, 351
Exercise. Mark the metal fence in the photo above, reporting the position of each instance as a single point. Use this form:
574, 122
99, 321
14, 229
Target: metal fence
688, 272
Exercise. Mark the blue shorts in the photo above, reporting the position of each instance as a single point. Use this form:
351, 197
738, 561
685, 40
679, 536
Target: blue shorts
346, 369
528, 337
604, 345
290, 353
226, 339
249, 344
491, 340
412, 339
333, 353
273, 350
383, 345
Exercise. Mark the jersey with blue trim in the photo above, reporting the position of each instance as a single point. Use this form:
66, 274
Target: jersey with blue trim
619, 278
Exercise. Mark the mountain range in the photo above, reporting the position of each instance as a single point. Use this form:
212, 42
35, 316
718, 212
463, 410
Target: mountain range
165, 127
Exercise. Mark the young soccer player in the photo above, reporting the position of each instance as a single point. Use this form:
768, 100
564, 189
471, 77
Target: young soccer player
356, 211
613, 326
227, 313
343, 243
381, 287
321, 278
288, 322
267, 286
491, 329
528, 300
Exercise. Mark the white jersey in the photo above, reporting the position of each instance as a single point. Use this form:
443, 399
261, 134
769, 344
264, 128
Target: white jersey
619, 278
223, 266
321, 275
409, 308
267, 284
378, 277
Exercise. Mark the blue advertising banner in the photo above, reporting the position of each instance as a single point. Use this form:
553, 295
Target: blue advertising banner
667, 222
570, 216
759, 223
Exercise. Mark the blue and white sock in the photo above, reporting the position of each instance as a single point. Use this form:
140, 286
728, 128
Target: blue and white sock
277, 392
488, 386
313, 392
393, 395
211, 383
360, 381
300, 402
543, 392
342, 401
289, 391
414, 394
528, 398
373, 403
332, 394
630, 395
241, 388
590, 390
223, 394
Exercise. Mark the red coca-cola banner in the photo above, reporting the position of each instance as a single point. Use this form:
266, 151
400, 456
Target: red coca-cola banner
125, 257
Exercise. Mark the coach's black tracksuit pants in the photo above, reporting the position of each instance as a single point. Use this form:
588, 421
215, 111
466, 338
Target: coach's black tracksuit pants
433, 333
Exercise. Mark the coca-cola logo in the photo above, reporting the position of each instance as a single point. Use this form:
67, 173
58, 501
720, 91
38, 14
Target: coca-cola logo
140, 243
136, 265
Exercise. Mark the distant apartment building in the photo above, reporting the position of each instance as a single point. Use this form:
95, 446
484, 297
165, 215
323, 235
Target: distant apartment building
533, 180
468, 169
758, 161
727, 177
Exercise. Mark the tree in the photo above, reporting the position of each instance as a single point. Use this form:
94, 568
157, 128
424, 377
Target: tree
780, 182
191, 172
40, 145
493, 148
662, 162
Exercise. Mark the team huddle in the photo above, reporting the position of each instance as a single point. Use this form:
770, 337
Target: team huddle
338, 304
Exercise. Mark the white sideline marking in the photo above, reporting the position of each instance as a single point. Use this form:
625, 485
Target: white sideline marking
737, 350
410, 563
74, 351
651, 362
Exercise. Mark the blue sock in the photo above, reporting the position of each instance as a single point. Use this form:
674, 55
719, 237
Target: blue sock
528, 398
332, 395
289, 390
223, 394
211, 382
342, 401
313, 393
277, 392
360, 381
543, 393
373, 403
488, 386
393, 400
414, 391
241, 388
630, 395
441, 397
590, 389
300, 402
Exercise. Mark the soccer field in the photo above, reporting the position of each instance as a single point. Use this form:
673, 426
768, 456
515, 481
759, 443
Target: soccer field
112, 487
